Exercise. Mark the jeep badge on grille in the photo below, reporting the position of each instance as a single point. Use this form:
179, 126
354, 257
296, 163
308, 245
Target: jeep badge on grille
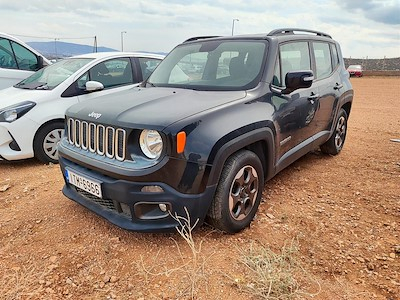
94, 115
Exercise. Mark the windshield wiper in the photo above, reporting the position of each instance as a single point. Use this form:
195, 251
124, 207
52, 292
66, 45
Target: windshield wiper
32, 85
150, 83
44, 86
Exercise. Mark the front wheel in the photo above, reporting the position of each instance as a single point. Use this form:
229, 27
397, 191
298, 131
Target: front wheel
46, 142
335, 143
238, 193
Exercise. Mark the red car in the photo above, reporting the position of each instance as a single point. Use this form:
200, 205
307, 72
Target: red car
355, 70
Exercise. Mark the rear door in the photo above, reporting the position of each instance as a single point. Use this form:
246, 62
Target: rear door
328, 82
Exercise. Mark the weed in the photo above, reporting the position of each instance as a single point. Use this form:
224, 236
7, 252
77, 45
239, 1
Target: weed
271, 276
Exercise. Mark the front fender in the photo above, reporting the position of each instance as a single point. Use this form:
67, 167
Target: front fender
259, 140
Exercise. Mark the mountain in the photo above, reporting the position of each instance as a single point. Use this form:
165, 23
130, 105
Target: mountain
59, 49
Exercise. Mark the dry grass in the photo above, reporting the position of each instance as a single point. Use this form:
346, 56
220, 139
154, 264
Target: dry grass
272, 275
191, 270
194, 269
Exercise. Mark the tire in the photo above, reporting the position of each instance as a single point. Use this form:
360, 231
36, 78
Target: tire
335, 143
46, 141
238, 193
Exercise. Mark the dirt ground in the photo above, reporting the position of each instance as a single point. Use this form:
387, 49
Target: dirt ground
343, 212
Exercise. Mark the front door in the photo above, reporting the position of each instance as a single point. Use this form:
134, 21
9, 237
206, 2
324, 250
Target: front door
295, 113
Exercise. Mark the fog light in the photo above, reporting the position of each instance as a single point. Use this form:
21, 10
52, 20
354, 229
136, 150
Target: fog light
163, 207
152, 189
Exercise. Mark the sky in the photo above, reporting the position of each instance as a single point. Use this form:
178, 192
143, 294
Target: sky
364, 28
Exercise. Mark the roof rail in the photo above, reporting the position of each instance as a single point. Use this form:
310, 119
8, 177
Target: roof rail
292, 30
201, 38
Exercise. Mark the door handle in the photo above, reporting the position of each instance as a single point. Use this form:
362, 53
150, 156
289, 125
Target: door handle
338, 86
313, 97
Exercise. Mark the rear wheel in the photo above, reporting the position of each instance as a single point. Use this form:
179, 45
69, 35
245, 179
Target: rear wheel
238, 192
335, 143
46, 142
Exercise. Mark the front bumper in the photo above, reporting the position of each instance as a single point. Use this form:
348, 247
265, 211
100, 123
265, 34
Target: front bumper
16, 139
127, 206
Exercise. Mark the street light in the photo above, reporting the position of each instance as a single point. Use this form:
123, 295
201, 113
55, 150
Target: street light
122, 40
233, 24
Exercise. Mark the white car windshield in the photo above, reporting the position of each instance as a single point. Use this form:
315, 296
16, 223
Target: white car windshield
212, 65
51, 76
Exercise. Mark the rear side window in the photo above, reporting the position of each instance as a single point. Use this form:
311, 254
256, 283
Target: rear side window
323, 60
335, 56
7, 60
293, 56
147, 66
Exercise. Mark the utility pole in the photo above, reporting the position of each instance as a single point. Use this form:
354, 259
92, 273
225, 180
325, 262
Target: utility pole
122, 40
233, 24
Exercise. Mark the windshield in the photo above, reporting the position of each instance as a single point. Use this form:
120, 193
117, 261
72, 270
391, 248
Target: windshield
51, 76
212, 65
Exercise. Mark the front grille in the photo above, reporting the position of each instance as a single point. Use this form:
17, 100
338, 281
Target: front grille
107, 203
97, 138
120, 208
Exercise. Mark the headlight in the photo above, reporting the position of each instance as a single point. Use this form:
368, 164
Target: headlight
151, 143
13, 112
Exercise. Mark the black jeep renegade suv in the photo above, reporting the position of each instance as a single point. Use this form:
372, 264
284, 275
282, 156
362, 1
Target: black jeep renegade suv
217, 118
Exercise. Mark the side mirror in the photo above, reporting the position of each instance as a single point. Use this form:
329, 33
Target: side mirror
93, 86
298, 80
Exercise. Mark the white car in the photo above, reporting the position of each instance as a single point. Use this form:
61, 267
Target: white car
17, 60
32, 111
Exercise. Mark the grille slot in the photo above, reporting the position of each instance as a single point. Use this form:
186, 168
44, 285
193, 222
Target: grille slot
97, 138
107, 203
103, 202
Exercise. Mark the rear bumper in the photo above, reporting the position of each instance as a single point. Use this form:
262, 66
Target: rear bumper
127, 206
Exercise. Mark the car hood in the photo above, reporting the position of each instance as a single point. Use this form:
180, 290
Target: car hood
154, 108
12, 95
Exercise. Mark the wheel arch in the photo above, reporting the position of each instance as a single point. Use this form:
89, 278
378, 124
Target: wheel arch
260, 141
347, 107
45, 124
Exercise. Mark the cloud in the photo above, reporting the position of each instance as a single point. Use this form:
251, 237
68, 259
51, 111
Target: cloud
159, 25
383, 11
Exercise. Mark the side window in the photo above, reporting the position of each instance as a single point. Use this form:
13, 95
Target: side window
82, 81
147, 66
335, 56
111, 73
277, 74
323, 60
292, 57
7, 60
26, 60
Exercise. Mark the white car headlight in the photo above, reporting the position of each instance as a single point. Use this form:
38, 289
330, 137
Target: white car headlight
151, 143
14, 112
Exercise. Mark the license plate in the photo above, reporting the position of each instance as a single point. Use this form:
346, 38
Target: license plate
91, 186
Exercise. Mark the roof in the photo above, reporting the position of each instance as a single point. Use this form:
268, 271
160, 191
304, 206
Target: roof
282, 33
100, 55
